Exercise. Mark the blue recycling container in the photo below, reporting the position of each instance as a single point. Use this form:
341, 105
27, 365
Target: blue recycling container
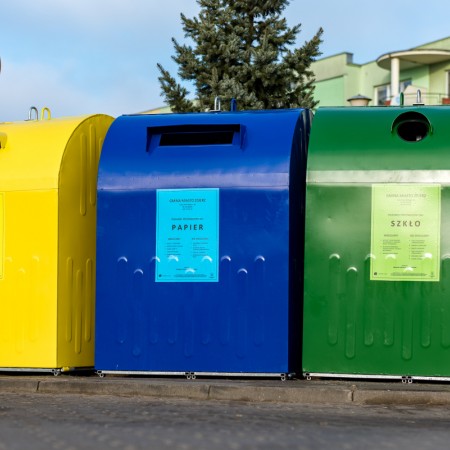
200, 243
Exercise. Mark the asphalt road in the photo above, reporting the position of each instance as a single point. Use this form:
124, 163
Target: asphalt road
106, 422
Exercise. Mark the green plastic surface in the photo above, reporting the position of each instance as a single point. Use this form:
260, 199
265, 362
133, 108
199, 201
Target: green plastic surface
354, 325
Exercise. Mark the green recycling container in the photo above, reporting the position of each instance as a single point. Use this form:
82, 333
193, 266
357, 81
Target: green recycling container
377, 244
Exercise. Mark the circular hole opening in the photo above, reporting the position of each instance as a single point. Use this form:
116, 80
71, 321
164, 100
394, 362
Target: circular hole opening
412, 126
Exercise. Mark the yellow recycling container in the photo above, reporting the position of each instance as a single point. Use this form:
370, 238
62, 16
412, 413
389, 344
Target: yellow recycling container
48, 189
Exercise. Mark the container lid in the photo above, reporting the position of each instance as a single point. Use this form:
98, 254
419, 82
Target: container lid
245, 148
380, 138
32, 151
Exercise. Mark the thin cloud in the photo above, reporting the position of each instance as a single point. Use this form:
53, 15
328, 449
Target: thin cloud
97, 16
48, 88
100, 56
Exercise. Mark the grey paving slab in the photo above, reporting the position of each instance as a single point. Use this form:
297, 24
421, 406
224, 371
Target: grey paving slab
319, 392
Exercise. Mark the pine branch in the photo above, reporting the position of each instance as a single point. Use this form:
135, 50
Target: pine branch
242, 49
173, 93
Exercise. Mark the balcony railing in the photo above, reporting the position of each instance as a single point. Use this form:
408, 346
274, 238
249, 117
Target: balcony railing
428, 98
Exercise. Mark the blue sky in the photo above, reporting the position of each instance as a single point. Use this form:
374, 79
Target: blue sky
99, 56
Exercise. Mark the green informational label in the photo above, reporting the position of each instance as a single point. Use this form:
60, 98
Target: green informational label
187, 235
405, 238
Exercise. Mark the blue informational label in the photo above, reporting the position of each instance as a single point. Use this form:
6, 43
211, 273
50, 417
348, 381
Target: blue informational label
187, 235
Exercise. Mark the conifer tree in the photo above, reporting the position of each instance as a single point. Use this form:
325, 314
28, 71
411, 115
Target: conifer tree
242, 49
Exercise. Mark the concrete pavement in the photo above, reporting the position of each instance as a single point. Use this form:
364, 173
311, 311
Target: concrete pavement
323, 392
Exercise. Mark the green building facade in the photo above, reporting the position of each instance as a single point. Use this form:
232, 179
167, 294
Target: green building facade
425, 68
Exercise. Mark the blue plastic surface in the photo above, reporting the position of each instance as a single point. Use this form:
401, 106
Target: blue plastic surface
248, 319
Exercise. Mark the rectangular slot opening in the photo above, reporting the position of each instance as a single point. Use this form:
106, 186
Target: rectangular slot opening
193, 135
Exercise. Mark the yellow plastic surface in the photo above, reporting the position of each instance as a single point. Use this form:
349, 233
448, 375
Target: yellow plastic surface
28, 289
2, 234
48, 173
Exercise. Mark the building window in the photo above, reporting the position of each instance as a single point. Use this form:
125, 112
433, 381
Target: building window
382, 94
404, 84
